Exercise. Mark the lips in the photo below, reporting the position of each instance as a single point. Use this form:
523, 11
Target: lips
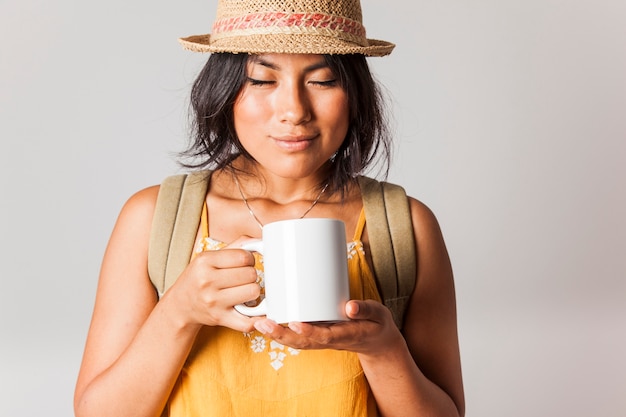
295, 137
294, 142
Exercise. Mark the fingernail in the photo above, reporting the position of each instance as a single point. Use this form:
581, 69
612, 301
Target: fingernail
352, 309
295, 327
262, 327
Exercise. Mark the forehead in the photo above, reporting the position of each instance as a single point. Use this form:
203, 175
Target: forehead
284, 62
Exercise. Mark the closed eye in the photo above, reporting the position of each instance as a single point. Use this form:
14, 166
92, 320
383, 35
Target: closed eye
328, 83
256, 82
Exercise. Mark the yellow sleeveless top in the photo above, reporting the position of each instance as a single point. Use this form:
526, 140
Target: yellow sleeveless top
229, 373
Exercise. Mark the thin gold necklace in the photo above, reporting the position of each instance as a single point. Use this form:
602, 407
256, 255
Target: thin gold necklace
256, 219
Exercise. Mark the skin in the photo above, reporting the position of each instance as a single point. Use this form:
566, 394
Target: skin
291, 117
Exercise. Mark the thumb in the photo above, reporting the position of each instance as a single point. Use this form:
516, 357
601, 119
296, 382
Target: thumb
367, 310
357, 310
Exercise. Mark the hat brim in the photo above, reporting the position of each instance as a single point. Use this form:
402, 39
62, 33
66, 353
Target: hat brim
282, 44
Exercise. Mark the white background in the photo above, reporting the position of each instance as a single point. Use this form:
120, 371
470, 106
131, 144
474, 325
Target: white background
510, 123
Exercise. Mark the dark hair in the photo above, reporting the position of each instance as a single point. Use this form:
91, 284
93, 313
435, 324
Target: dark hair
214, 140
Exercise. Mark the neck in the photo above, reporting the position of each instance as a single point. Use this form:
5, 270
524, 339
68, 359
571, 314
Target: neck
259, 183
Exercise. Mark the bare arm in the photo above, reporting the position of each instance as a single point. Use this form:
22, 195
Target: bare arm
413, 373
137, 346
422, 371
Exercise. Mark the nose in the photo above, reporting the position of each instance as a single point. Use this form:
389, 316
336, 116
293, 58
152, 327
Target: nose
293, 104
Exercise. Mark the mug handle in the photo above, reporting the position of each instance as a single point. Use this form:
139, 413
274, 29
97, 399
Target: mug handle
261, 308
258, 310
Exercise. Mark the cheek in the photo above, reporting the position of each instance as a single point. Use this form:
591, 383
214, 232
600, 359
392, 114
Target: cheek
246, 109
337, 113
247, 115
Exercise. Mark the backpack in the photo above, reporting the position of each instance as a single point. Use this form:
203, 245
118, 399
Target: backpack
392, 244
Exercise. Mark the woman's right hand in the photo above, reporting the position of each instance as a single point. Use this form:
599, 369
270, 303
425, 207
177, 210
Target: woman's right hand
212, 283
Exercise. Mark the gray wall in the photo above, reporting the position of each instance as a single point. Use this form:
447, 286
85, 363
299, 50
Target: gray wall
510, 122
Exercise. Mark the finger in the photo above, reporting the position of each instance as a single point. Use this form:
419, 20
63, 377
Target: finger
226, 258
239, 322
284, 335
357, 310
306, 329
352, 309
298, 335
277, 332
234, 277
365, 310
240, 294
268, 327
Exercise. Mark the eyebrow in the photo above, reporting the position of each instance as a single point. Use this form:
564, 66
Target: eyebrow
315, 66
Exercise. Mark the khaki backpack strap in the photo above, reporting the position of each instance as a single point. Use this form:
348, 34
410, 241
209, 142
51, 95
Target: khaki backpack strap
403, 243
392, 243
174, 226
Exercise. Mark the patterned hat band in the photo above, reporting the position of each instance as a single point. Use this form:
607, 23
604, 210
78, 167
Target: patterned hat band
288, 26
272, 23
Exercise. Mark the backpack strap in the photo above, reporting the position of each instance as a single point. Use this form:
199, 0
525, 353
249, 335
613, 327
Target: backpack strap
392, 243
174, 226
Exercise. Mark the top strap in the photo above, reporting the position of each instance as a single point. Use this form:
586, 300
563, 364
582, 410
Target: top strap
360, 225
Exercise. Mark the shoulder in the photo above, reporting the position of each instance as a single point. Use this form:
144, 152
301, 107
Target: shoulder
429, 238
421, 214
129, 241
142, 202
137, 212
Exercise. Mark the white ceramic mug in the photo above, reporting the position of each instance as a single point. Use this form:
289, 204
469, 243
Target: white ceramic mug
306, 271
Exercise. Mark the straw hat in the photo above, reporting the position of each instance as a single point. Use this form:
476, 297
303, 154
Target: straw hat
288, 26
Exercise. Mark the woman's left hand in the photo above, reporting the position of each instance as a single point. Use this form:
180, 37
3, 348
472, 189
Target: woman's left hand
370, 330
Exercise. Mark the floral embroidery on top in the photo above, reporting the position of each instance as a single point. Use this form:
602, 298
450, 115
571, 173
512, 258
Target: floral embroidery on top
277, 354
258, 344
207, 244
354, 248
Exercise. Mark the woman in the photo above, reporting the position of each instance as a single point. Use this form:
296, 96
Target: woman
287, 114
